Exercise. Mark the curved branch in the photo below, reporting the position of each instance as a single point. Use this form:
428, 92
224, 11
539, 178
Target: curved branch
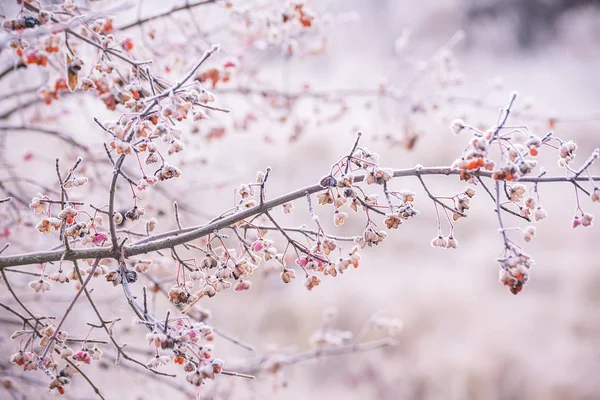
175, 238
46, 131
256, 367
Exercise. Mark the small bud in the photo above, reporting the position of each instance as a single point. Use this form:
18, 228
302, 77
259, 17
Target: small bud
587, 219
595, 195
457, 125
529, 233
287, 275
451, 243
439, 241
311, 282
118, 218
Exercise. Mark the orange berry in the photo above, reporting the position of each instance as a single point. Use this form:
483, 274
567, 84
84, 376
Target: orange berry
31, 58
127, 44
179, 360
475, 163
108, 27
60, 84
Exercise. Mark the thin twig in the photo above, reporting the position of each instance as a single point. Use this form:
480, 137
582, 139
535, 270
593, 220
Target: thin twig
68, 311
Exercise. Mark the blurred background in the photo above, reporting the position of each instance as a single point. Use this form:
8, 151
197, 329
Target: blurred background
464, 335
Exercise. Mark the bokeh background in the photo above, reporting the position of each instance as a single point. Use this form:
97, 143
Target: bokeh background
464, 335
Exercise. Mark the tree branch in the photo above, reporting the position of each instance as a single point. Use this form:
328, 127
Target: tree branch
174, 238
186, 6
